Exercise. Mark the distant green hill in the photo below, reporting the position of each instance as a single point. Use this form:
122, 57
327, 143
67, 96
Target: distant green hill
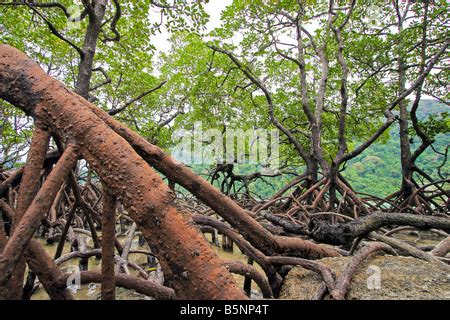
378, 171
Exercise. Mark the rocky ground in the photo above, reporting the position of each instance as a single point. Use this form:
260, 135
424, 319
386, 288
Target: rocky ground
400, 278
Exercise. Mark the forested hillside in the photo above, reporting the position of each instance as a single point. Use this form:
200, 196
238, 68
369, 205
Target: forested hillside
378, 170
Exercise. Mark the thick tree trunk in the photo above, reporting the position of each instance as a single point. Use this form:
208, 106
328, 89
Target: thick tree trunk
189, 263
405, 151
239, 218
405, 148
312, 169
89, 46
333, 176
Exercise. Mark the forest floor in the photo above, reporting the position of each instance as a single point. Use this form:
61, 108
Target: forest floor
399, 278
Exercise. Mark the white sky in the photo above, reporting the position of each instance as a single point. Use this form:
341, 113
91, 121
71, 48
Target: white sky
214, 8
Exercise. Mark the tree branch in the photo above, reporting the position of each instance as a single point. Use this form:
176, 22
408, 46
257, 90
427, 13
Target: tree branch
130, 102
56, 32
343, 233
107, 79
113, 24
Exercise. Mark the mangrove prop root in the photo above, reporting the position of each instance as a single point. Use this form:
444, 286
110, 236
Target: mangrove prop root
27, 191
237, 217
343, 233
21, 236
190, 265
442, 248
404, 248
248, 270
323, 270
46, 270
146, 287
40, 263
342, 284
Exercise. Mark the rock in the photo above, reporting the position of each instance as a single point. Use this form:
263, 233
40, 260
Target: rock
401, 278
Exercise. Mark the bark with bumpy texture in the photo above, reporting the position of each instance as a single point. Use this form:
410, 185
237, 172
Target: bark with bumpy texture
190, 265
28, 224
237, 217
27, 191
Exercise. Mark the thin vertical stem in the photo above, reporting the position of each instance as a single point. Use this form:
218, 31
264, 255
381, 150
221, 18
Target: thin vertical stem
108, 240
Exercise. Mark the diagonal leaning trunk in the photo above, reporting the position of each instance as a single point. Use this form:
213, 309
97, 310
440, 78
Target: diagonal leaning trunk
229, 210
31, 219
27, 191
190, 265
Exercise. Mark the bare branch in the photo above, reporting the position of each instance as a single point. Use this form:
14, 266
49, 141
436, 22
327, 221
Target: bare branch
38, 5
56, 32
254, 79
113, 24
107, 79
160, 5
130, 102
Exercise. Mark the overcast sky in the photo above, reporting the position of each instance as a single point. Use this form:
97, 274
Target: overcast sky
213, 8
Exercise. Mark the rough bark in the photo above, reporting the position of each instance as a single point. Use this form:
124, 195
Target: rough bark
108, 239
343, 233
24, 230
181, 250
237, 217
40, 263
27, 191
